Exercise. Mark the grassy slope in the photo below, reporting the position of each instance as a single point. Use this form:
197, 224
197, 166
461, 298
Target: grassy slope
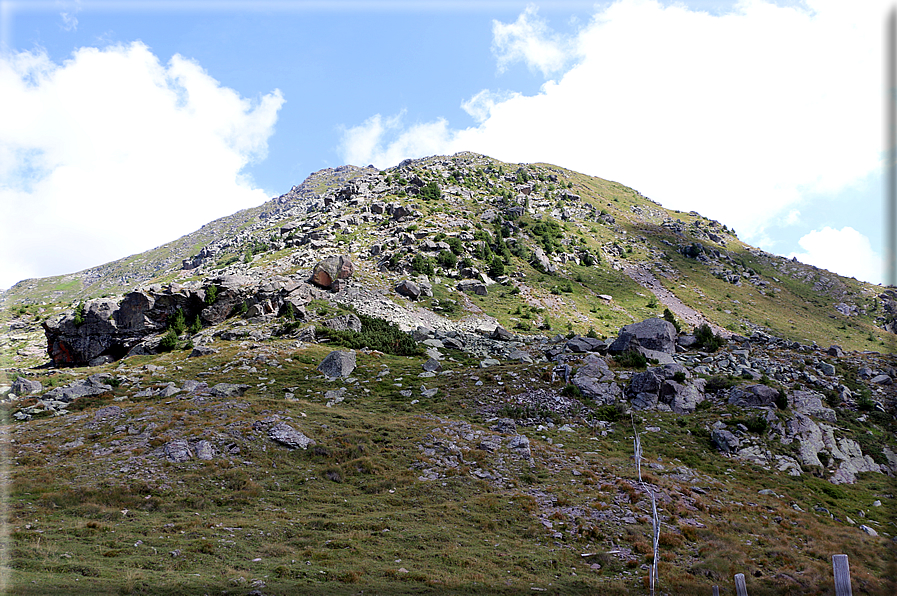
351, 515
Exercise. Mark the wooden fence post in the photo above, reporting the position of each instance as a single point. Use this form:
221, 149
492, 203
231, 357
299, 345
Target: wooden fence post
740, 587
842, 575
715, 590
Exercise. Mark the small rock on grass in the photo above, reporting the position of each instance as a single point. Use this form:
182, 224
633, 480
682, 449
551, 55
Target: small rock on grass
287, 435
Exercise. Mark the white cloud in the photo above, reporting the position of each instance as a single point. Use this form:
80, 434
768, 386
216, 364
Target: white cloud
69, 20
793, 217
386, 142
531, 40
845, 251
739, 116
480, 105
85, 142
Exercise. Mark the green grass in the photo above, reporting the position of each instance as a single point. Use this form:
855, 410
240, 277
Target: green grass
350, 514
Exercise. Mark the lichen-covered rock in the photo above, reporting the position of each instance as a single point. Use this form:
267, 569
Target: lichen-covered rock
347, 322
753, 396
810, 403
724, 440
653, 334
286, 435
409, 289
596, 381
23, 386
229, 390
338, 363
178, 451
92, 385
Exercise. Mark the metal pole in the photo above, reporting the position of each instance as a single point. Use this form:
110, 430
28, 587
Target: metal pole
842, 575
715, 590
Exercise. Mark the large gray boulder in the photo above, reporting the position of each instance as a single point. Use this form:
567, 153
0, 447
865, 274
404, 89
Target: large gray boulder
472, 286
23, 386
229, 390
338, 364
92, 385
653, 334
811, 404
409, 289
581, 344
332, 268
596, 380
724, 440
347, 322
753, 396
682, 398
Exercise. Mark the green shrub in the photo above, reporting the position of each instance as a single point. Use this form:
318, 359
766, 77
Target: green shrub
571, 390
430, 191
169, 341
80, 314
757, 424
668, 316
178, 323
422, 265
496, 268
196, 326
707, 339
211, 294
592, 333
719, 382
447, 259
376, 334
631, 359
455, 244
610, 413
781, 400
679, 376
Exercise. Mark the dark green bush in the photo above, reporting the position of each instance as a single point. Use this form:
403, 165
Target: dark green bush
668, 316
496, 268
455, 244
422, 265
782, 400
178, 322
757, 424
610, 413
376, 334
571, 390
430, 191
631, 359
679, 376
447, 259
196, 326
169, 341
707, 339
719, 382
211, 294
80, 314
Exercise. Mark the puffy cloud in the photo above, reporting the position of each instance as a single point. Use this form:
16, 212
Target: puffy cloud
531, 40
846, 251
112, 127
386, 141
738, 116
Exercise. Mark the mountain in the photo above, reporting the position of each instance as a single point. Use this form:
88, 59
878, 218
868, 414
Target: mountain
428, 379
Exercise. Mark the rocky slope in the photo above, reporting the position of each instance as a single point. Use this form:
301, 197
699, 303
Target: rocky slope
474, 340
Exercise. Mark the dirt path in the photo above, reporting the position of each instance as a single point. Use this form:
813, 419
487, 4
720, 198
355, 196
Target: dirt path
682, 311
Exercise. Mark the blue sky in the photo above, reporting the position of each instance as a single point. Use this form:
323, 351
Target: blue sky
128, 124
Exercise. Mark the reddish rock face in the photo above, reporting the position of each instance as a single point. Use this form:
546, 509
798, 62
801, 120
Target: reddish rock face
331, 269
